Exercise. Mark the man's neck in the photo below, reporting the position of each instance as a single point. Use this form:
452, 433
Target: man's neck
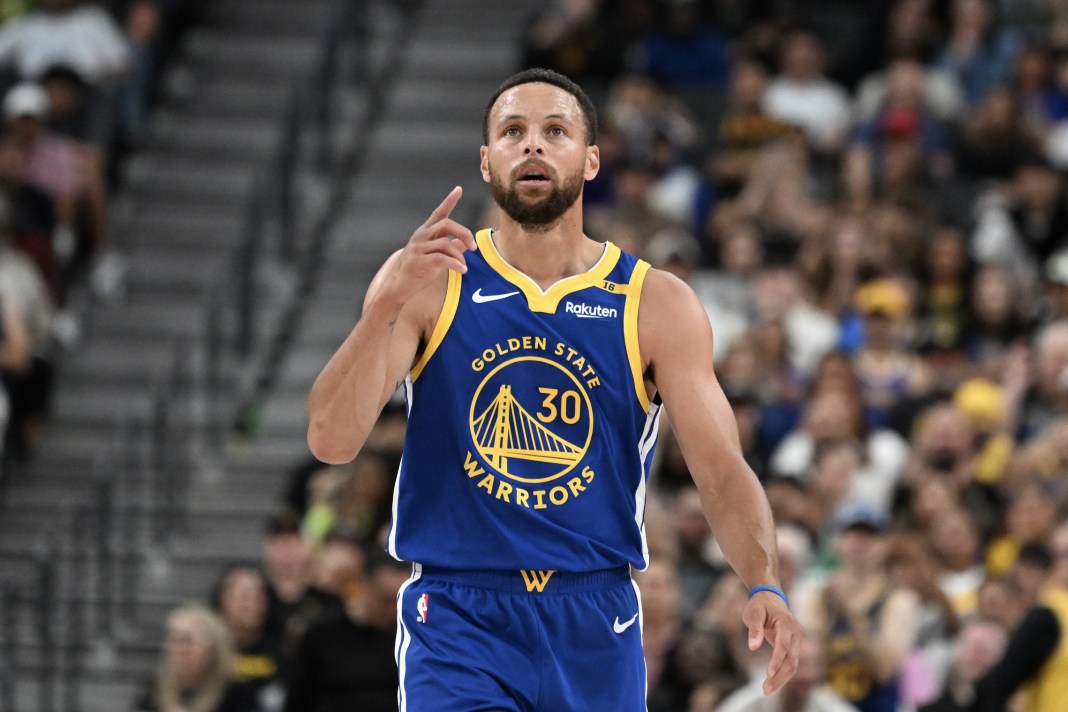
547, 256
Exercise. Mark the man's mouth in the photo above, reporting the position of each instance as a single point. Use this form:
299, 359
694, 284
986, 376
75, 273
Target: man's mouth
533, 175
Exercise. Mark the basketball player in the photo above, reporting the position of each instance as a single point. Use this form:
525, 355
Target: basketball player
535, 362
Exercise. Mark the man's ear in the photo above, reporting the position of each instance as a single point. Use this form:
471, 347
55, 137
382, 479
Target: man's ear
593, 162
483, 163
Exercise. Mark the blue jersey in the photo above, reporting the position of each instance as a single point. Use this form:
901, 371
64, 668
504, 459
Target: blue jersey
530, 433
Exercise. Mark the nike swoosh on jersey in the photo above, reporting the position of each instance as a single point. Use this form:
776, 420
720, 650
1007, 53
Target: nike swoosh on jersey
479, 298
620, 627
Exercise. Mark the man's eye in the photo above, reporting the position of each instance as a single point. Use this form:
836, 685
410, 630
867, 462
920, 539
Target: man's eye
511, 131
556, 131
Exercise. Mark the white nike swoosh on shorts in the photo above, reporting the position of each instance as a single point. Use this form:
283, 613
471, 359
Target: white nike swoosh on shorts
620, 627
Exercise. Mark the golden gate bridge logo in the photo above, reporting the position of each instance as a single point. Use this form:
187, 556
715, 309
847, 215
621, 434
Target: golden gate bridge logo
515, 441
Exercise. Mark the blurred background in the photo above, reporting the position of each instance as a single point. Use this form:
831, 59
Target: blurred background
868, 197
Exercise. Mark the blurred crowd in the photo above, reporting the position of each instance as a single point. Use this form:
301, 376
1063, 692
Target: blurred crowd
77, 79
869, 198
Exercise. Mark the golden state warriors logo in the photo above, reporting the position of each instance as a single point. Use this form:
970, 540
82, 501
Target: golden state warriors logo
531, 420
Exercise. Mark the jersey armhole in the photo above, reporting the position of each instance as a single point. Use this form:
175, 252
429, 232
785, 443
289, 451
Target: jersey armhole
445, 317
630, 331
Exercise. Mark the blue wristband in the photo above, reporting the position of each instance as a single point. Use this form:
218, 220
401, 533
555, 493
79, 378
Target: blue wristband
770, 589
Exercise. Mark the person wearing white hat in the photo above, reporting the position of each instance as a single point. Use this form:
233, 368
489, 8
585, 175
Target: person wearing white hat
60, 168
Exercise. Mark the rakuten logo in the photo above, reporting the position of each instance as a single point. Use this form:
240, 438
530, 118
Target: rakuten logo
585, 311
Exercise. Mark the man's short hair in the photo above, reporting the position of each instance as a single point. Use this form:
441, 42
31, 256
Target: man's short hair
539, 75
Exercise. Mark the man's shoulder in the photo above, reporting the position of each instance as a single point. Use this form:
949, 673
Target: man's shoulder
665, 294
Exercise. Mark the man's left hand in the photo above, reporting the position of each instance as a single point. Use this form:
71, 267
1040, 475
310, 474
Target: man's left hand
767, 616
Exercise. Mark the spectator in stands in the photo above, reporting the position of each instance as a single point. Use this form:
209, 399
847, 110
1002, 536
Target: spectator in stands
697, 572
195, 673
81, 35
31, 214
294, 603
661, 615
572, 37
744, 128
913, 567
78, 111
1056, 287
998, 320
1035, 651
701, 659
941, 96
240, 599
67, 174
1042, 458
801, 95
978, 647
1029, 519
781, 192
834, 416
869, 624
912, 31
686, 52
143, 24
956, 541
49, 164
995, 136
981, 54
1022, 225
944, 275
886, 369
29, 306
354, 499
902, 130
1047, 398
1001, 602
806, 692
644, 112
347, 663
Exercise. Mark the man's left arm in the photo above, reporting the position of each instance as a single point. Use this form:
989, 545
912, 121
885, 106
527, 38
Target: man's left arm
675, 339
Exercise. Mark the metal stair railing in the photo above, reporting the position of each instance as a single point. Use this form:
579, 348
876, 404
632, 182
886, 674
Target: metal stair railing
372, 80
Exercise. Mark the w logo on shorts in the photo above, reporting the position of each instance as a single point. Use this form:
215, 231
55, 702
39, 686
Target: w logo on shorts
536, 580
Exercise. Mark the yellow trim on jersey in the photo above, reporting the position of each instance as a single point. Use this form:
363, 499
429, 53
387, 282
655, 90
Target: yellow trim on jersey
630, 331
448, 312
546, 302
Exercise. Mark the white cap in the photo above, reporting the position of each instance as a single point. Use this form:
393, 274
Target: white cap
26, 99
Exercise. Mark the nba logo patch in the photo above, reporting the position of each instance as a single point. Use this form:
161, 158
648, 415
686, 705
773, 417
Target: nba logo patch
422, 607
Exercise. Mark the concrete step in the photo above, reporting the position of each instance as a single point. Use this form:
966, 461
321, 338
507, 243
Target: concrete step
139, 362
482, 63
175, 268
272, 17
192, 182
224, 137
230, 97
164, 318
282, 57
411, 97
172, 224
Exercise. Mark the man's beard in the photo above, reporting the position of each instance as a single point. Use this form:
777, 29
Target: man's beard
543, 214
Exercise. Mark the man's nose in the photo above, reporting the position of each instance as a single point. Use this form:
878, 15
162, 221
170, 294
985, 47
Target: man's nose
533, 144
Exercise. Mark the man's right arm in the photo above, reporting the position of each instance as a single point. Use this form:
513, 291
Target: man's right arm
355, 384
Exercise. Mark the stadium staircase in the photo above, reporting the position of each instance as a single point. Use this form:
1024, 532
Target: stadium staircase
240, 285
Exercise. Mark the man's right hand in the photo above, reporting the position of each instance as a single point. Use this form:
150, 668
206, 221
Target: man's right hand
437, 245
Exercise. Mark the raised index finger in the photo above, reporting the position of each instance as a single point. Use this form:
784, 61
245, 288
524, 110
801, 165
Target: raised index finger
443, 210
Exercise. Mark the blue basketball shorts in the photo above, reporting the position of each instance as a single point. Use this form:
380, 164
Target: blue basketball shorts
528, 641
